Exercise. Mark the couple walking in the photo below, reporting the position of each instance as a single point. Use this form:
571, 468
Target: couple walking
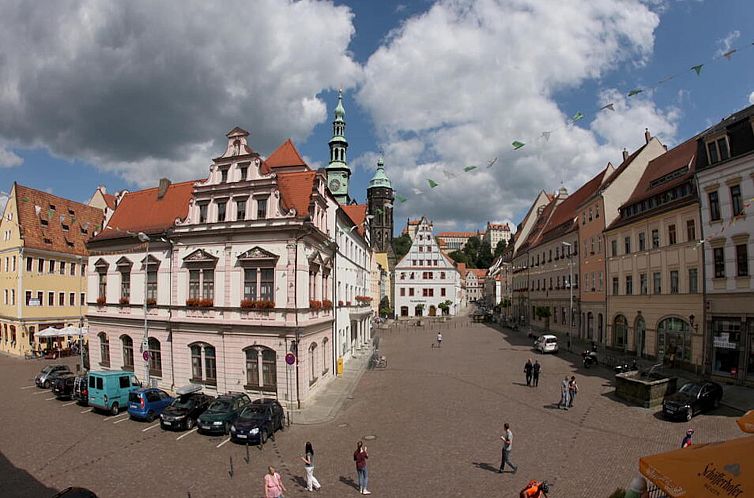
273, 483
532, 372
568, 391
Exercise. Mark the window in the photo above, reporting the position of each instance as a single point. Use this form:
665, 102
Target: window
442, 292
657, 283
403, 291
221, 208
671, 235
735, 200
442, 275
72, 299
259, 283
104, 350
642, 241
223, 175
714, 206
40, 265
29, 264
52, 266
196, 363
202, 283
615, 286
325, 342
62, 267
155, 357
719, 259
128, 352
261, 369
261, 208
590, 214
614, 247
102, 285
620, 331
629, 285
40, 298
742, 261
240, 210
690, 230
244, 172
410, 291
152, 283
312, 362
61, 298
82, 299
203, 212
125, 285
28, 297
655, 239
627, 244
717, 150
693, 284
674, 281
50, 299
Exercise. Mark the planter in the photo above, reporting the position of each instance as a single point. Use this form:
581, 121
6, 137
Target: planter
649, 393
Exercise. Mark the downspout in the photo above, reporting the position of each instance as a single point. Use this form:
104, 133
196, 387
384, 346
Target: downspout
295, 307
170, 314
334, 300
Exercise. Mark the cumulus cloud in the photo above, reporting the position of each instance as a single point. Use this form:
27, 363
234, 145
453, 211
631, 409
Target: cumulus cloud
8, 158
727, 42
147, 89
751, 98
455, 85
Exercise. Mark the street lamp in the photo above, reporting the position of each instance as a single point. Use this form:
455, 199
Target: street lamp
570, 288
145, 341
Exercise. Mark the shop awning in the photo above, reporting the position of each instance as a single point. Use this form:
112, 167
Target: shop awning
746, 423
69, 331
711, 470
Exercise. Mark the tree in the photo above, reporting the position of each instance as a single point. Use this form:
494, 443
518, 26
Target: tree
445, 306
385, 309
484, 256
500, 247
543, 312
401, 245
461, 257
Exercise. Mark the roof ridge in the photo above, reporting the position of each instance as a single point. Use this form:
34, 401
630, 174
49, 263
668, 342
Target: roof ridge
49, 194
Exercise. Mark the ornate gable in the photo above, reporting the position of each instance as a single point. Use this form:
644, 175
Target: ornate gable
200, 256
124, 262
257, 255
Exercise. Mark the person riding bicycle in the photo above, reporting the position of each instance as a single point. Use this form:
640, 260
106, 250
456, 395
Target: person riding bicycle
535, 489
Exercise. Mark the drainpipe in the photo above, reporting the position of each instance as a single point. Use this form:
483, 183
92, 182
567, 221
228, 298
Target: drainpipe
308, 224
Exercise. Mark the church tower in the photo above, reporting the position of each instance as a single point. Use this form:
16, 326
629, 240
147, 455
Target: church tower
338, 172
380, 205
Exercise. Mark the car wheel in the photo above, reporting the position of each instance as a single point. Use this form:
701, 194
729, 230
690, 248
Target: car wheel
46, 384
689, 414
716, 403
263, 437
115, 409
282, 423
189, 423
150, 417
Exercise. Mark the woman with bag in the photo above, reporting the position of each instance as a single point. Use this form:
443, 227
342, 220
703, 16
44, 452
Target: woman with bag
273, 484
308, 458
360, 457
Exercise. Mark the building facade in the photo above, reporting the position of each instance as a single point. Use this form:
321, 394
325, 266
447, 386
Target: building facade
455, 241
496, 232
426, 278
473, 281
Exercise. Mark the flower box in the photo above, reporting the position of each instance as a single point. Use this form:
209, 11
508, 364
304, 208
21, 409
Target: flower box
327, 304
193, 302
340, 303
315, 305
101, 301
151, 301
253, 304
124, 301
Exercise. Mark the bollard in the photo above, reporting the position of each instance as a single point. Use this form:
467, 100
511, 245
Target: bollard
248, 458
231, 468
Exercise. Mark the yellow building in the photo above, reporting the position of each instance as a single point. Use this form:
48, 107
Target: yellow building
42, 266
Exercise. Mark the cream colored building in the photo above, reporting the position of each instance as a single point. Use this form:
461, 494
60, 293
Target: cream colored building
43, 260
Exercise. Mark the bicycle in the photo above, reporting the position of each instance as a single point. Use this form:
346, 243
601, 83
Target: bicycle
378, 360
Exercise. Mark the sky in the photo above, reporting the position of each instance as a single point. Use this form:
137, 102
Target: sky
123, 93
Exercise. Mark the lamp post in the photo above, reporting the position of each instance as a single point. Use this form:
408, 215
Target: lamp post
145, 341
570, 288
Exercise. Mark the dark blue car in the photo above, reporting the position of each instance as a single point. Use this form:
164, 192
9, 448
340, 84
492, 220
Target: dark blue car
147, 404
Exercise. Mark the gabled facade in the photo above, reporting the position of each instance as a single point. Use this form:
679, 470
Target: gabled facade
425, 278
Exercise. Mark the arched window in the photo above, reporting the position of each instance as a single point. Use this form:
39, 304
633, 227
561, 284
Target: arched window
673, 340
203, 354
325, 356
210, 365
196, 362
104, 349
589, 325
312, 359
155, 357
128, 352
620, 330
261, 369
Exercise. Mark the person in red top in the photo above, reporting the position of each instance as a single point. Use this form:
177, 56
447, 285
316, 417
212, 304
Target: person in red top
360, 457
687, 438
535, 489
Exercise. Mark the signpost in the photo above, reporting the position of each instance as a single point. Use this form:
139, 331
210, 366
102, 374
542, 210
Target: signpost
290, 358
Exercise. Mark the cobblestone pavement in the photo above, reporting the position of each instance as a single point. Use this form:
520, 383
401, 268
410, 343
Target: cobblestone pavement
431, 421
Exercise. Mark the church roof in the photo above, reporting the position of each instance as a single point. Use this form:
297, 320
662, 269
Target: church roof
380, 179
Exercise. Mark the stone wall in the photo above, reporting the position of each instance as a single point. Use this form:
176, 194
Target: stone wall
647, 393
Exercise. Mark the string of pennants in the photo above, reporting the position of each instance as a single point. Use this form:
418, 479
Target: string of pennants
724, 226
516, 145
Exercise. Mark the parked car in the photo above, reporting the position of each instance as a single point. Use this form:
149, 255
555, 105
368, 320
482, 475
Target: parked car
81, 389
48, 374
222, 412
546, 344
185, 408
109, 390
62, 388
258, 421
147, 404
692, 398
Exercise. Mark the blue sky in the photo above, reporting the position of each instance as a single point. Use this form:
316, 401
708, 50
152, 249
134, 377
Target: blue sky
424, 102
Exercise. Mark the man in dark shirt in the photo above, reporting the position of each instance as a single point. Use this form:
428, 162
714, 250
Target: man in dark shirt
535, 373
528, 371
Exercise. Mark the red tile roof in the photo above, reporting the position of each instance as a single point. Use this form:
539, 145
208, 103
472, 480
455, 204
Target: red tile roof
457, 234
479, 272
110, 200
535, 234
358, 214
142, 211
285, 155
676, 158
36, 207
296, 190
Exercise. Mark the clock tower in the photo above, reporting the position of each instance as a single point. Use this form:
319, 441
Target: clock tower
338, 172
380, 197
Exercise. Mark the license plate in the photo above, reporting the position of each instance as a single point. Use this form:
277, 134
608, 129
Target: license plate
132, 405
166, 423
241, 436
205, 427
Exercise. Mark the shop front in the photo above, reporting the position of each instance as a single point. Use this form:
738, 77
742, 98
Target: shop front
733, 348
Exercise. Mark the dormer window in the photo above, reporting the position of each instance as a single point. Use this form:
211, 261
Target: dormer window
717, 150
244, 169
223, 175
221, 210
203, 212
52, 207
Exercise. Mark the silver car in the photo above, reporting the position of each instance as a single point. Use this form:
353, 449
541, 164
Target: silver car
49, 373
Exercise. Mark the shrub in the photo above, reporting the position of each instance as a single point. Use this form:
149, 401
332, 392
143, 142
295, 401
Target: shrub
315, 305
206, 303
192, 302
327, 304
340, 303
101, 301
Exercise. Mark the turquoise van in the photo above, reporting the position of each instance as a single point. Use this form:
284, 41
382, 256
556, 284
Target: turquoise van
109, 390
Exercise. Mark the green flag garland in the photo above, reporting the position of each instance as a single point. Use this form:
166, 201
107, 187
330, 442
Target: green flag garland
635, 91
469, 168
517, 145
697, 68
400, 198
577, 116
432, 183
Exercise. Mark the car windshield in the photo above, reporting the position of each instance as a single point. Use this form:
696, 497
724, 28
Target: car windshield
46, 369
691, 389
220, 405
253, 412
183, 402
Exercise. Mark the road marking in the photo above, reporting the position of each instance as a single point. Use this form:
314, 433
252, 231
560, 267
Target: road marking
87, 411
28, 387
223, 442
116, 416
48, 399
41, 392
119, 421
186, 434
70, 403
150, 427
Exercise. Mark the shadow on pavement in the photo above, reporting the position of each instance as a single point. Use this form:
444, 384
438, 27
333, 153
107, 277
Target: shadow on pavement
17, 483
349, 482
485, 466
300, 481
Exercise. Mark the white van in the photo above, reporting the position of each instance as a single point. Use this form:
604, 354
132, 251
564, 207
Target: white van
546, 344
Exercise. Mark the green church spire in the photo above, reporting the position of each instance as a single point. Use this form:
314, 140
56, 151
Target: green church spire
338, 172
380, 179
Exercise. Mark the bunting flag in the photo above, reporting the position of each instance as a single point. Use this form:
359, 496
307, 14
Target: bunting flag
432, 183
730, 53
24, 199
400, 198
635, 91
447, 174
697, 68
546, 134
517, 145
666, 79
609, 106
469, 168
577, 116
37, 210
380, 211
491, 163
50, 214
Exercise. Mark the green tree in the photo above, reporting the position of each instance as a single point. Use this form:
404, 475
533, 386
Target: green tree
385, 309
445, 306
401, 245
471, 249
461, 257
484, 255
500, 247
543, 312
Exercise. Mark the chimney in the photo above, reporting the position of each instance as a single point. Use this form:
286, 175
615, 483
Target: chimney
665, 146
625, 154
163, 187
647, 135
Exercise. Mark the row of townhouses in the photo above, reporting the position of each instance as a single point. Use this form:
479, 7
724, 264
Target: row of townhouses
651, 257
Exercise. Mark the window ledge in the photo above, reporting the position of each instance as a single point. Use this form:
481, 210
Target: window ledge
313, 381
104, 364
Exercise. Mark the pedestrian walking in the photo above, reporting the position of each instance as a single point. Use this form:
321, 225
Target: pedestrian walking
573, 389
507, 447
535, 369
439, 339
563, 403
308, 458
686, 442
528, 371
360, 457
273, 484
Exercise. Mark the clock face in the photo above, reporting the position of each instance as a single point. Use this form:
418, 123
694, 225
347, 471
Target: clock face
334, 185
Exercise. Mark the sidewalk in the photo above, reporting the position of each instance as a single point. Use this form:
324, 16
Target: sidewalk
326, 404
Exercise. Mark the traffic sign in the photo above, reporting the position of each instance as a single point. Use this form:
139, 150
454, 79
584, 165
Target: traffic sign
290, 358
146, 355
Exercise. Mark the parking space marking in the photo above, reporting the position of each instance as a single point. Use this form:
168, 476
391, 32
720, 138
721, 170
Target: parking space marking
150, 427
49, 399
121, 420
40, 392
223, 442
116, 416
186, 434
70, 403
87, 411
27, 387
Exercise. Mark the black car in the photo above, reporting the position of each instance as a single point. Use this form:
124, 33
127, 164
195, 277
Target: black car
222, 412
81, 389
691, 399
49, 373
184, 410
62, 387
258, 421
